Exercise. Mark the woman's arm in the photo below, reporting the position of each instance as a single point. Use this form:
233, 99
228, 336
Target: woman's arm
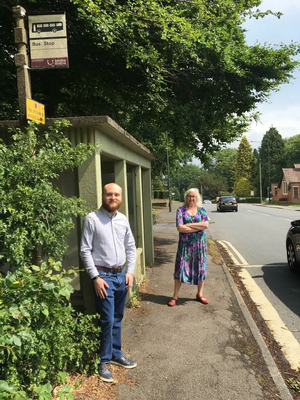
193, 227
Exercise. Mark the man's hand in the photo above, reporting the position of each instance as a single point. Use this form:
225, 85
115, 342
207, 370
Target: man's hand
100, 285
129, 280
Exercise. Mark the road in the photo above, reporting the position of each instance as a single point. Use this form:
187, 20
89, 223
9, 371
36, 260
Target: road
255, 238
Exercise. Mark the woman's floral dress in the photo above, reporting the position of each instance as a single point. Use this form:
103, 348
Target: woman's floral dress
191, 257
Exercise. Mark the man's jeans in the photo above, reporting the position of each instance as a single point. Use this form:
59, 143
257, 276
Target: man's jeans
111, 310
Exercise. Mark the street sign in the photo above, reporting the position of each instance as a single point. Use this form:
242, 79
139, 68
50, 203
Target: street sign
48, 41
35, 111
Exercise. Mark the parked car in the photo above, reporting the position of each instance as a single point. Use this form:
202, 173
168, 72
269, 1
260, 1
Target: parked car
206, 201
293, 246
227, 203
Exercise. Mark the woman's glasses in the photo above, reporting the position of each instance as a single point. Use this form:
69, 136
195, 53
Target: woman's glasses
191, 197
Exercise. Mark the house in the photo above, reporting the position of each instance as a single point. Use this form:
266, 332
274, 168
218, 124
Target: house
288, 187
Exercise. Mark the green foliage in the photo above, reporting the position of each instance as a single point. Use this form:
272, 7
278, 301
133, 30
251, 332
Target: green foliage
271, 153
294, 384
34, 216
160, 194
210, 184
225, 166
244, 160
155, 66
185, 176
249, 200
291, 151
243, 187
40, 333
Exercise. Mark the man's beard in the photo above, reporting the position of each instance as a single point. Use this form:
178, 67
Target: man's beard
112, 206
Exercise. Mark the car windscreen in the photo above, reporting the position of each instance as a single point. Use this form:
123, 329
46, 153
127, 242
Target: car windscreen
227, 198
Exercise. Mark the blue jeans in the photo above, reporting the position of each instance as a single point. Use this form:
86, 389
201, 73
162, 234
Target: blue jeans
111, 310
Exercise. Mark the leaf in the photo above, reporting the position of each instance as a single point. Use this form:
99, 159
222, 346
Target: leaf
45, 311
5, 387
16, 340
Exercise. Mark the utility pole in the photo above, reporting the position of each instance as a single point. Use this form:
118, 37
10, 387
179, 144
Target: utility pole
168, 168
21, 62
269, 194
260, 184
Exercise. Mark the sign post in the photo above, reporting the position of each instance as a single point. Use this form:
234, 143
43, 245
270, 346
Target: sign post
48, 41
21, 62
35, 111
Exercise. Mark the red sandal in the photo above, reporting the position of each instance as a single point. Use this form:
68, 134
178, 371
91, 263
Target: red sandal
202, 299
173, 302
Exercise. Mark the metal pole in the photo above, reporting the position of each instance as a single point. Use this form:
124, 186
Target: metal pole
21, 62
260, 184
269, 196
168, 168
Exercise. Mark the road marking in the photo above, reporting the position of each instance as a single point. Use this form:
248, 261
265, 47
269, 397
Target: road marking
257, 212
282, 335
285, 219
226, 245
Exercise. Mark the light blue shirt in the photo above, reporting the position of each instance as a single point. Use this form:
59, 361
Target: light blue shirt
107, 241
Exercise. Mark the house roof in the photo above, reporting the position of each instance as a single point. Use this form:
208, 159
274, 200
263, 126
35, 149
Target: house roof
290, 175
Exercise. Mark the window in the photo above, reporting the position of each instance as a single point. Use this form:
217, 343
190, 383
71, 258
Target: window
285, 187
295, 191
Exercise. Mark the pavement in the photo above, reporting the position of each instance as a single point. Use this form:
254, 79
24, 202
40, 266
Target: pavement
194, 351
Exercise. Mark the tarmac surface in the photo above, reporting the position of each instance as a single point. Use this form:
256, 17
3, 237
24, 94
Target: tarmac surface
192, 350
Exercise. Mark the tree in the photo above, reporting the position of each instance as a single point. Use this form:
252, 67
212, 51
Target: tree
255, 172
185, 176
243, 187
244, 160
271, 153
225, 161
210, 184
291, 151
155, 66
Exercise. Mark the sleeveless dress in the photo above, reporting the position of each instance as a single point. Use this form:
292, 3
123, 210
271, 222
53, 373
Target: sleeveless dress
191, 258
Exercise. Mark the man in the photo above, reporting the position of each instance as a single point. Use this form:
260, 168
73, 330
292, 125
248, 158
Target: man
106, 243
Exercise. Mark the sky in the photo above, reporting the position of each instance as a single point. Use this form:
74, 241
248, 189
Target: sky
282, 110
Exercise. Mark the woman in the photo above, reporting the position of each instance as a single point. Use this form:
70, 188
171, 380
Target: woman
191, 257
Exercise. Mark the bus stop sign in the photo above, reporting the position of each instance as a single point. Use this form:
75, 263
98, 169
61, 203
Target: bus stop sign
48, 40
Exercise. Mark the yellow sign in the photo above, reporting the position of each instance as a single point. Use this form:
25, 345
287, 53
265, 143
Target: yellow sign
35, 111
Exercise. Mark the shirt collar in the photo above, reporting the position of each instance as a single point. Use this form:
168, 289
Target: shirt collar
107, 213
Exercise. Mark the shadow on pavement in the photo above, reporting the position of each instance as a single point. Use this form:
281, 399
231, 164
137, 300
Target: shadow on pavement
163, 300
162, 255
283, 283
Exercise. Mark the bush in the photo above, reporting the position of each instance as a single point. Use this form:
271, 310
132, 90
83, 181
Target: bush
249, 200
35, 218
40, 333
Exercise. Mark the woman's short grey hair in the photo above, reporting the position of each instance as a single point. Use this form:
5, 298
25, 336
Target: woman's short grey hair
199, 197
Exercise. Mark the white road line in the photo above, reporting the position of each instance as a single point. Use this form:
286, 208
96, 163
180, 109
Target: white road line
257, 212
289, 345
285, 219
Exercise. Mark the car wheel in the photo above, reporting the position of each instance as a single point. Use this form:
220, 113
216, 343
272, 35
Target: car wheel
236, 210
291, 257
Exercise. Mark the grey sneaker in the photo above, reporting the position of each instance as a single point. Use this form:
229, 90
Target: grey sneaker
105, 374
124, 362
